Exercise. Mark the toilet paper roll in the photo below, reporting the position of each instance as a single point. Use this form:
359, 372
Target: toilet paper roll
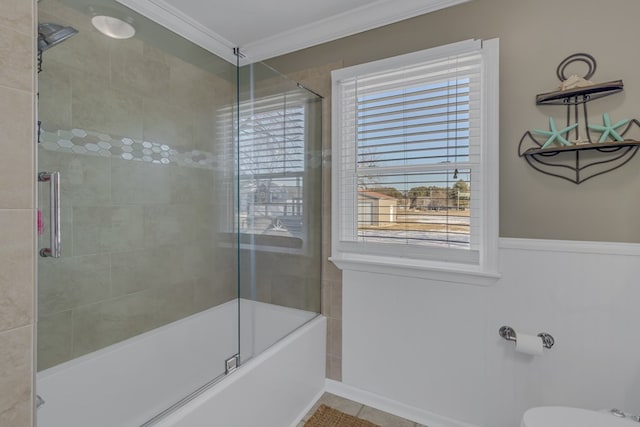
529, 344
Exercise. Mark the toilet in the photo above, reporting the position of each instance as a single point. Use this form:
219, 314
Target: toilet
561, 416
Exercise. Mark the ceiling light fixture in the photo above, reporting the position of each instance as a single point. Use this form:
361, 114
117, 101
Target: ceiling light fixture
113, 27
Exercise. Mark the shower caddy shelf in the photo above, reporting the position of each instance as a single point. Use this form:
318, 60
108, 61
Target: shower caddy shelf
579, 162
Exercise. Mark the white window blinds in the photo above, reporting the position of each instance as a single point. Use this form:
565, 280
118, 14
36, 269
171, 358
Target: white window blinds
271, 139
408, 135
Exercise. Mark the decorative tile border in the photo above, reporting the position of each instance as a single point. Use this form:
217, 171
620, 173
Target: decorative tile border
99, 144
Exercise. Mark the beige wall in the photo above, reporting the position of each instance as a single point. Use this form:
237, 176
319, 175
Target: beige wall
534, 37
17, 168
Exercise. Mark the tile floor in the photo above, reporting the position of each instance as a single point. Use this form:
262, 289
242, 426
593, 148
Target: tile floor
359, 410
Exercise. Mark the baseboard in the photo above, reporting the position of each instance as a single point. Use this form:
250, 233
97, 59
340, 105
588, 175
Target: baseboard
391, 406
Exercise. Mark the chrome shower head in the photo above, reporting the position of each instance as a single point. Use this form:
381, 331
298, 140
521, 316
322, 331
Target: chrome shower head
50, 35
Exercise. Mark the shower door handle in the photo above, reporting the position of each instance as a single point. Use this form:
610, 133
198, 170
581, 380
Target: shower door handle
53, 178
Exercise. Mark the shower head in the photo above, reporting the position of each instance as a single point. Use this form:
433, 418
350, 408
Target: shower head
50, 35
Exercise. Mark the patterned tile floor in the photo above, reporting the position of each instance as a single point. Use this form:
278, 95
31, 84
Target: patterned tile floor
350, 407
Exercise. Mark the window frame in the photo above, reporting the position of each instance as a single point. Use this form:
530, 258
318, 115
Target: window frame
411, 260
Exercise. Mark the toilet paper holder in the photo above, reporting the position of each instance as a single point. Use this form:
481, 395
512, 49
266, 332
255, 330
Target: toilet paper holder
509, 334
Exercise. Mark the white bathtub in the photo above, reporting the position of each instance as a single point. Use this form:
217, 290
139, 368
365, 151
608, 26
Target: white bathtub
128, 383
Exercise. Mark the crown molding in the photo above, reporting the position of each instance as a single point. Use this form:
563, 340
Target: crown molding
373, 15
376, 14
172, 18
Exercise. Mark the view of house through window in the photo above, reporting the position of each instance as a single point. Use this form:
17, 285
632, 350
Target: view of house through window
430, 210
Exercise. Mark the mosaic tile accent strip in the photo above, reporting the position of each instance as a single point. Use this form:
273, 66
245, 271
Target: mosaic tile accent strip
99, 144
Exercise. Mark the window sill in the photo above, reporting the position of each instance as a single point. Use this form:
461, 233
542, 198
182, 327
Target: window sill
265, 243
456, 273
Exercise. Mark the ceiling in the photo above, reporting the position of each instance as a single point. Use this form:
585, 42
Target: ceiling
267, 28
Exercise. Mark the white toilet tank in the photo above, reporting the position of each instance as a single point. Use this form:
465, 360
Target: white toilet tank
561, 416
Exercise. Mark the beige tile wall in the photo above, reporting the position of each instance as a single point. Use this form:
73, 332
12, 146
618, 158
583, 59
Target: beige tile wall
318, 79
139, 239
16, 211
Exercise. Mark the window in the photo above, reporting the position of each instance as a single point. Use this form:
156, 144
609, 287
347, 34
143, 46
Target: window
267, 155
272, 134
415, 161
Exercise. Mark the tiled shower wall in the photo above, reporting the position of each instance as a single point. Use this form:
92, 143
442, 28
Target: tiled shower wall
319, 80
132, 131
17, 169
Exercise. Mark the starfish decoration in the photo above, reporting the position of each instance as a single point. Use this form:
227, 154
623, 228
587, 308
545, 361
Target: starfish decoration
609, 129
555, 134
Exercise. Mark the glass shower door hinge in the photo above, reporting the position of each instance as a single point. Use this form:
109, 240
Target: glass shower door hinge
39, 401
231, 364
238, 53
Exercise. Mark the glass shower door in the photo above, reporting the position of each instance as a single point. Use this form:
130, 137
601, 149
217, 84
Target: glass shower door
138, 131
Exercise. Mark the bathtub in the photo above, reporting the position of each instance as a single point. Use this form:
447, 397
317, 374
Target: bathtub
128, 384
